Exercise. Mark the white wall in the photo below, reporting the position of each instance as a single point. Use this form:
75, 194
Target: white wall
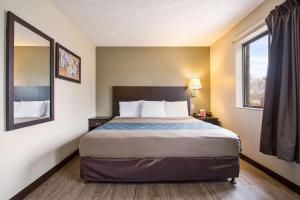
27, 153
246, 123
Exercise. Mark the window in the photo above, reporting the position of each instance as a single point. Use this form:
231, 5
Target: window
255, 65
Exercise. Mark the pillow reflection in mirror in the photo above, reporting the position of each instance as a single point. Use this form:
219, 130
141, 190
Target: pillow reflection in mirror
32, 109
47, 107
17, 108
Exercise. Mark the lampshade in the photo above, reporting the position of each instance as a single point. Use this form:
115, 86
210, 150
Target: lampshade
195, 84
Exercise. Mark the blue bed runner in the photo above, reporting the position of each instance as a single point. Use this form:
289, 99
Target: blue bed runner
157, 126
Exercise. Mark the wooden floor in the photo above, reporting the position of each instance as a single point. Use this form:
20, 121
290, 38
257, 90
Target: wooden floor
252, 184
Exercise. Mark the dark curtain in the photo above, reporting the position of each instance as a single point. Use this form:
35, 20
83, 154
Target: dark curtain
280, 134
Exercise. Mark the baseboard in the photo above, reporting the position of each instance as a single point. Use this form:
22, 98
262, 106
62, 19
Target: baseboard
281, 179
30, 188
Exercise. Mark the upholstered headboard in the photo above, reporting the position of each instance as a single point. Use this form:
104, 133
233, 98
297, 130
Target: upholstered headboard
150, 93
31, 93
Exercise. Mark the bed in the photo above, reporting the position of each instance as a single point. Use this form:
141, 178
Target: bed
145, 149
31, 103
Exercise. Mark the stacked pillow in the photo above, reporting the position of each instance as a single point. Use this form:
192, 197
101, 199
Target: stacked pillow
130, 108
176, 109
25, 109
154, 109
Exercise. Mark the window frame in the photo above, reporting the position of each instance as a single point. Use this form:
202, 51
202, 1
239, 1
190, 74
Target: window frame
244, 67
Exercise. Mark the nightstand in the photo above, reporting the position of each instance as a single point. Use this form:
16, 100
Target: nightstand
212, 120
97, 121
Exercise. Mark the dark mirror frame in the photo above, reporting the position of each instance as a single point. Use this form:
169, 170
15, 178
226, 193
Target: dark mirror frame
10, 28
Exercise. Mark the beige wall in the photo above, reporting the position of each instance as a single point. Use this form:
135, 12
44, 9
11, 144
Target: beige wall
27, 153
150, 66
31, 66
245, 122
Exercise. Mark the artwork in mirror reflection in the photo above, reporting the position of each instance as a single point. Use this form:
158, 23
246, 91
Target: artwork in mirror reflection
31, 75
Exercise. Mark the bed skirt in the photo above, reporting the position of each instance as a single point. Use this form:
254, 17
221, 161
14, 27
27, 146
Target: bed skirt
158, 169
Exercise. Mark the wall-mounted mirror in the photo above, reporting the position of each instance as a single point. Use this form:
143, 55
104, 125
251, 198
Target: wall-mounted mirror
29, 74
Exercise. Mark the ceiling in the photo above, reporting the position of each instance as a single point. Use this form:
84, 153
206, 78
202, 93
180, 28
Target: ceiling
155, 22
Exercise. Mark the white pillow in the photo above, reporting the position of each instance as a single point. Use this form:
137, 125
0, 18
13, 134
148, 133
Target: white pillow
17, 108
153, 109
32, 109
47, 111
176, 109
130, 108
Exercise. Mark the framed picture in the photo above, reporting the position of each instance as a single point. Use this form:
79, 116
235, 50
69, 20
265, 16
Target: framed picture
67, 64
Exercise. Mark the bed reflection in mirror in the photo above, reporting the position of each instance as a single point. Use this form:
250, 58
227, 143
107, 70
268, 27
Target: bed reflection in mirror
31, 75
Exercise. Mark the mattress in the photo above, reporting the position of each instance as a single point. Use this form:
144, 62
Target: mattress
159, 138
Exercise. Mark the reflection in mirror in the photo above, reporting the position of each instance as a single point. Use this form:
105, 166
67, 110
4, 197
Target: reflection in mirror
31, 75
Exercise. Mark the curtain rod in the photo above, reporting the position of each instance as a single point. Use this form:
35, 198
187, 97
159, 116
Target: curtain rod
254, 28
